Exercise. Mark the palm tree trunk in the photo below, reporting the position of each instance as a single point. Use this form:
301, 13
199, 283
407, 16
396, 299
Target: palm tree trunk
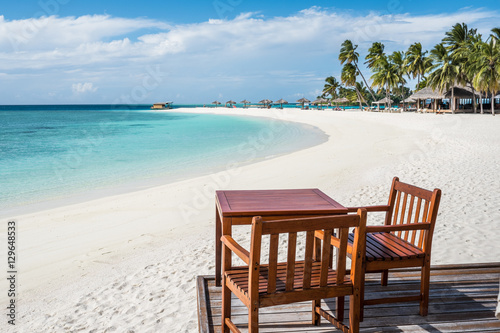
359, 98
481, 101
363, 99
492, 104
387, 102
369, 89
453, 100
474, 106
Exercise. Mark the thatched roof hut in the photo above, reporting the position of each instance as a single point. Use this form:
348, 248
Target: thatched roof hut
341, 100
409, 100
281, 101
266, 102
320, 101
462, 92
427, 93
383, 101
303, 101
245, 102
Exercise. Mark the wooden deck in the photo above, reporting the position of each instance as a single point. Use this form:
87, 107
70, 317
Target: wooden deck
463, 298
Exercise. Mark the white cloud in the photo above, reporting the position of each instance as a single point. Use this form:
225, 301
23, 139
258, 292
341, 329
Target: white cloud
48, 33
54, 41
81, 88
250, 52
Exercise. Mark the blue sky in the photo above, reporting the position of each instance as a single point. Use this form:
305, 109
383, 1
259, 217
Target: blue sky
73, 51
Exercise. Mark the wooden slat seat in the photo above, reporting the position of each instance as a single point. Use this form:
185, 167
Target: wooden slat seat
386, 246
238, 276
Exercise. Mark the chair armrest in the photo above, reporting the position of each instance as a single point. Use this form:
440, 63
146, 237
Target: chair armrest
380, 208
399, 227
236, 248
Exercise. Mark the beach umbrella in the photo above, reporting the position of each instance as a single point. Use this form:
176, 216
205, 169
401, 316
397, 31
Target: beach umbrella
216, 103
340, 100
265, 102
303, 101
281, 101
320, 101
245, 102
230, 102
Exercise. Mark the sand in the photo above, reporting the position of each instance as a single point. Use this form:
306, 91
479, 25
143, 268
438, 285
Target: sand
128, 263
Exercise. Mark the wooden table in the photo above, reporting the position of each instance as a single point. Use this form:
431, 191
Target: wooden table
239, 207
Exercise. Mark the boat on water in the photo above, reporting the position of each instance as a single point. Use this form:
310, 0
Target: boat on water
162, 106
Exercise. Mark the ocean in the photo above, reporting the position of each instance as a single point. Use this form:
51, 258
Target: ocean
59, 152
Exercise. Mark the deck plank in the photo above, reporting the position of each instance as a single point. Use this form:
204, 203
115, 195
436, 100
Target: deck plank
463, 298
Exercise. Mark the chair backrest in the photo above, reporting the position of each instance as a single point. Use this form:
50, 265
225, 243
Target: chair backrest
410, 204
310, 226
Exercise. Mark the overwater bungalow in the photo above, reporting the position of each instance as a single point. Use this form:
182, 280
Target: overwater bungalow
162, 106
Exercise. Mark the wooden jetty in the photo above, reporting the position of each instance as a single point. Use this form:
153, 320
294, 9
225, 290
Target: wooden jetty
463, 298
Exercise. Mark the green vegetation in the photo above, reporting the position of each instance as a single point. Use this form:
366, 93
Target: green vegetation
462, 58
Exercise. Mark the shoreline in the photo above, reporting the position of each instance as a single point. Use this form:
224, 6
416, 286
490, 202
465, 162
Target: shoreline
141, 183
113, 253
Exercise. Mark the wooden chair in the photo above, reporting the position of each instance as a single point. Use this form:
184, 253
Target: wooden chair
262, 285
404, 241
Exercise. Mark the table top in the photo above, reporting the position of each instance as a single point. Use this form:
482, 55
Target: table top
276, 202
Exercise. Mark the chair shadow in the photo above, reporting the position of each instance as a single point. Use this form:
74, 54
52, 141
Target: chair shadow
459, 303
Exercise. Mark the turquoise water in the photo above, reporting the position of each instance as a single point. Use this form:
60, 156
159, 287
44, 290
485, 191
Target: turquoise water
53, 152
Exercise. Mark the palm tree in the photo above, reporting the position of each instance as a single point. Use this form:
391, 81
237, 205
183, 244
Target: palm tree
397, 58
331, 87
488, 76
385, 76
495, 35
466, 56
375, 53
349, 55
348, 77
444, 72
416, 62
462, 43
457, 36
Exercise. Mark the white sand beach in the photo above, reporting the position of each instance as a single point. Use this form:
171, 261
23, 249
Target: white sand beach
128, 263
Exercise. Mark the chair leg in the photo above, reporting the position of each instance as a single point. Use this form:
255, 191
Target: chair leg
339, 308
226, 305
362, 297
424, 289
354, 315
384, 277
316, 319
253, 319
